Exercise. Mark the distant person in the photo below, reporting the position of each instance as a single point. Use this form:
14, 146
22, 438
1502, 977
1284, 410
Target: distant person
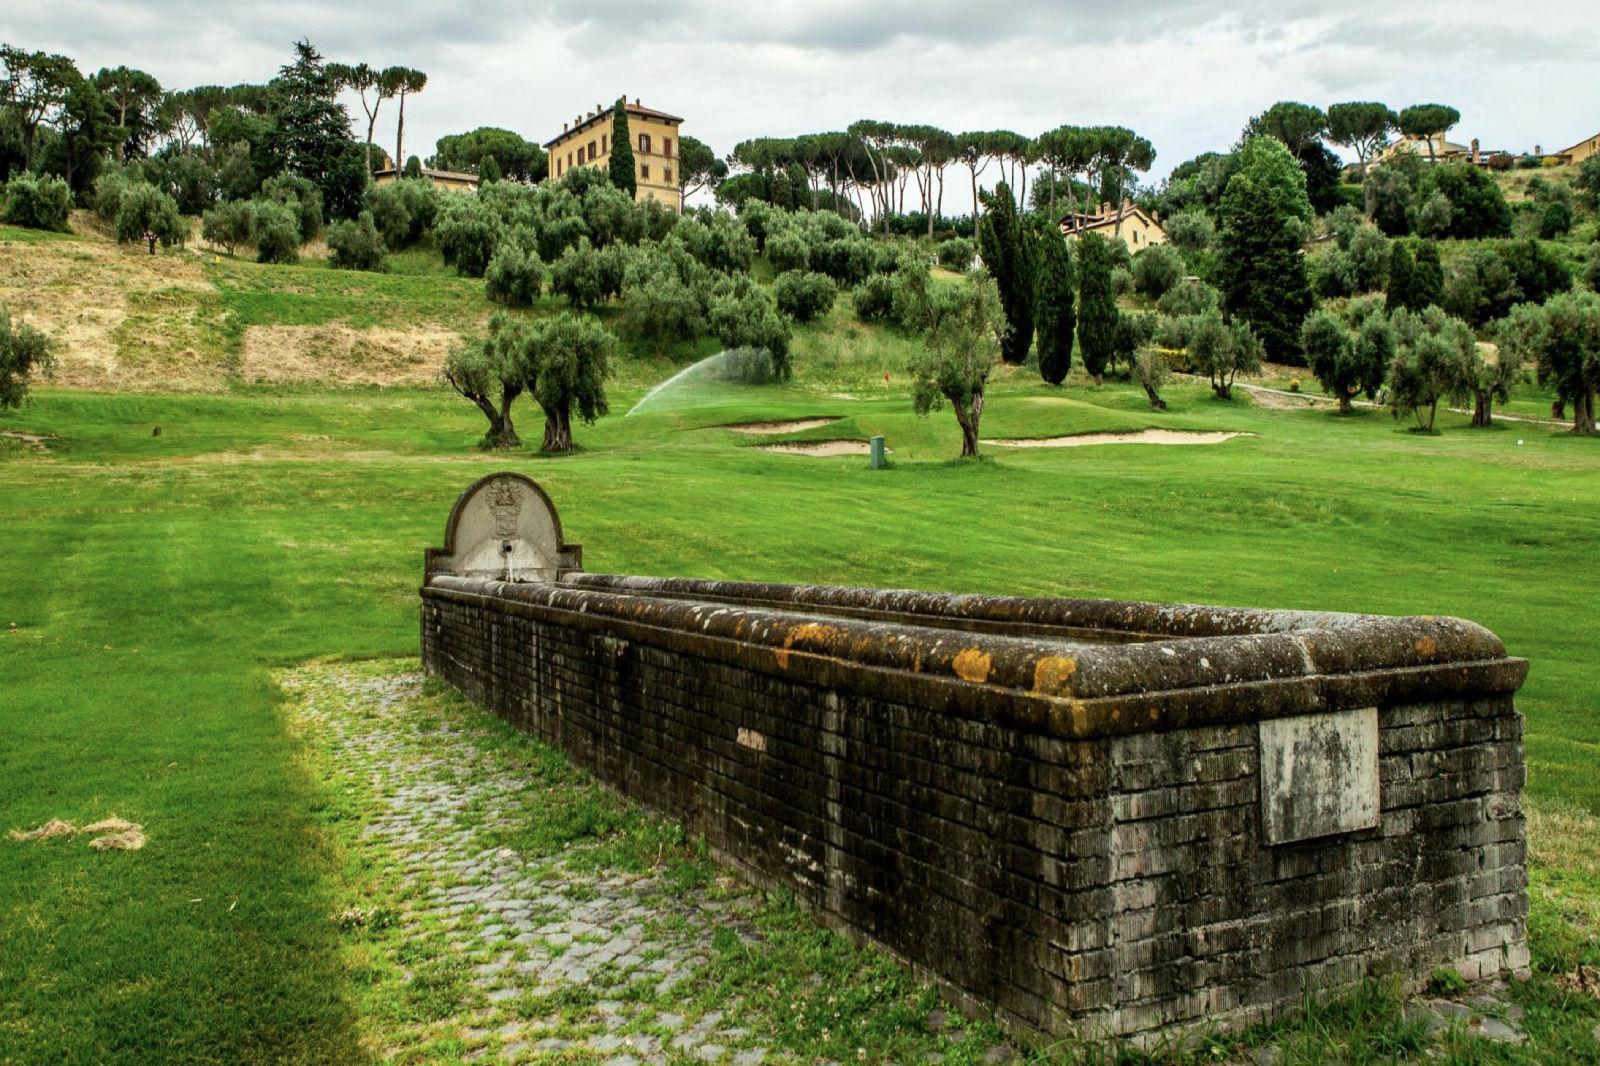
150, 236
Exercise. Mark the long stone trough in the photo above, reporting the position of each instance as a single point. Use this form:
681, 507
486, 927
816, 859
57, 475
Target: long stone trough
1093, 817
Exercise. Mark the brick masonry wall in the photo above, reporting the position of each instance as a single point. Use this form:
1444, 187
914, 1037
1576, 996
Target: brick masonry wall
1114, 884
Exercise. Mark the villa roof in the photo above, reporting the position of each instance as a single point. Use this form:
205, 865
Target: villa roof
604, 115
1078, 221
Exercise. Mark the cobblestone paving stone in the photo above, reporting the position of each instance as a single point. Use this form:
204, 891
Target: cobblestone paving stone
562, 958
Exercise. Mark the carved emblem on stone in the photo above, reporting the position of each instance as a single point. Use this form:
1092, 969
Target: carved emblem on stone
505, 503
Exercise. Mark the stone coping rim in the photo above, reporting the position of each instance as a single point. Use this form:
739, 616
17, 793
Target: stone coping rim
1053, 686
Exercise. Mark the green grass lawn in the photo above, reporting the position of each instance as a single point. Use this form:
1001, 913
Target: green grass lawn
156, 581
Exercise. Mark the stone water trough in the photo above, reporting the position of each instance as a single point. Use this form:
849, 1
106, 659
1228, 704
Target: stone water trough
1093, 817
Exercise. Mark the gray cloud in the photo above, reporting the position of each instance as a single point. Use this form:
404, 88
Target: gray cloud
1185, 73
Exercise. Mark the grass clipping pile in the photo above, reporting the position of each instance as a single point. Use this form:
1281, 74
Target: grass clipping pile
112, 834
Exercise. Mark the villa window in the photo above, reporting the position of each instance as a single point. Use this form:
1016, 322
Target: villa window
591, 151
605, 143
644, 171
666, 146
644, 143
666, 174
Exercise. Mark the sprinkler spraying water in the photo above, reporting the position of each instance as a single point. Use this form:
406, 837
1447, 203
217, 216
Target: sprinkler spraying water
731, 366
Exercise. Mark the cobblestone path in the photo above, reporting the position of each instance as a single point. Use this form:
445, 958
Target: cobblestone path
538, 956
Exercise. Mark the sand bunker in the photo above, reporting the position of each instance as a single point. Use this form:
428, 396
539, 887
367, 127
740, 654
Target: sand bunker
792, 426
1144, 436
824, 448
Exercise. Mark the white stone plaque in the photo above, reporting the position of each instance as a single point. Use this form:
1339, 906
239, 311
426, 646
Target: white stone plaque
1319, 775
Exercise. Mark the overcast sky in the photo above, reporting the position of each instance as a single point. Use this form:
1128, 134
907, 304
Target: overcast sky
1184, 74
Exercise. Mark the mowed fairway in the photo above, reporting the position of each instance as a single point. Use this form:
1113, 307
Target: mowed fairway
156, 580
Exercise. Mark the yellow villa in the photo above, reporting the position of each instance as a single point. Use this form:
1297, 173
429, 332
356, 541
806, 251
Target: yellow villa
586, 142
1128, 223
1580, 151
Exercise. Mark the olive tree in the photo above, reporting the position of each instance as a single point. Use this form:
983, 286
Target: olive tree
25, 353
1348, 364
961, 338
1432, 356
1562, 340
490, 373
566, 361
1220, 349
229, 224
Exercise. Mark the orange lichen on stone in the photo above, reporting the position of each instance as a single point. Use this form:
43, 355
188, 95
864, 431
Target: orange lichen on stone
810, 633
973, 664
1426, 647
1052, 674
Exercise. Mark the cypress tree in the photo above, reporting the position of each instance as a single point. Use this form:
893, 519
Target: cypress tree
623, 173
1053, 302
1097, 305
1427, 284
1402, 279
1008, 255
1264, 219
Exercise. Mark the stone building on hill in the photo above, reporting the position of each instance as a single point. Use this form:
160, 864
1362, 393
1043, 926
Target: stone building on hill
1129, 223
586, 142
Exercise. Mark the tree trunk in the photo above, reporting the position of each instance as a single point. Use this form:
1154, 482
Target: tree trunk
1558, 408
974, 172
1155, 401
969, 420
1583, 422
400, 137
1482, 410
557, 430
1345, 407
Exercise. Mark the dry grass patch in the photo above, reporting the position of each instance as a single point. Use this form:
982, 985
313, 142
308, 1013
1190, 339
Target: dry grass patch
341, 355
121, 318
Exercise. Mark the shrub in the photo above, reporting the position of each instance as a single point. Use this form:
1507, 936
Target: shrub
191, 182
658, 305
1433, 217
1121, 280
956, 254
1191, 231
25, 353
356, 244
874, 298
1476, 206
302, 196
747, 366
108, 191
403, 210
514, 277
1189, 298
1555, 220
804, 296
847, 260
1591, 267
147, 208
229, 224
586, 275
467, 233
38, 202
1485, 281
719, 241
1156, 270
744, 315
277, 232
788, 250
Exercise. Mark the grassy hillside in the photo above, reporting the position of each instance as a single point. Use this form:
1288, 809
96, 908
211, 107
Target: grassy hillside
156, 580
